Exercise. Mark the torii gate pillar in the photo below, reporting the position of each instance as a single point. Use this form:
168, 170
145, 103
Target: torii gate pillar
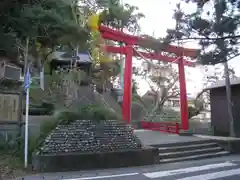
183, 96
127, 95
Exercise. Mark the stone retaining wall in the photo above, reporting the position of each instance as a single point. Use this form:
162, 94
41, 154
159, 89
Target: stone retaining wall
10, 130
78, 161
89, 144
90, 136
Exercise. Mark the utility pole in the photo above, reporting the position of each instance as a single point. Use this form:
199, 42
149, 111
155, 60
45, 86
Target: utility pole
26, 88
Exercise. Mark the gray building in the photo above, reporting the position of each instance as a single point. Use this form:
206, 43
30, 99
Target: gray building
218, 103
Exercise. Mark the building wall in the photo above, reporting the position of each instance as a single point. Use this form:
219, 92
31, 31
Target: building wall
236, 108
11, 131
9, 107
219, 120
219, 114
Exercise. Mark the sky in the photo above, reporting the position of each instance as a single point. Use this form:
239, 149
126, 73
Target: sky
158, 17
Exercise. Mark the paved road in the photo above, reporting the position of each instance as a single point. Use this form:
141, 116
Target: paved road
225, 168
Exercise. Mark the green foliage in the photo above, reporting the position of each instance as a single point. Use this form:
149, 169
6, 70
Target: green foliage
215, 30
92, 112
108, 3
15, 147
192, 111
55, 23
169, 115
88, 112
47, 126
123, 17
34, 141
135, 86
67, 116
39, 110
50, 23
32, 144
165, 115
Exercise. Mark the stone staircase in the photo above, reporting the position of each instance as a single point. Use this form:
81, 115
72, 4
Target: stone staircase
193, 150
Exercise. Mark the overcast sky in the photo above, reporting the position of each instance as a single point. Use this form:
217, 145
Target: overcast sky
158, 18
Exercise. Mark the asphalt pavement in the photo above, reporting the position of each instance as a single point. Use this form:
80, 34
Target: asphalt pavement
223, 168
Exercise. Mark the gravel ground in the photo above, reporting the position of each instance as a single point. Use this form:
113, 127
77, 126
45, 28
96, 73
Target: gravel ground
10, 167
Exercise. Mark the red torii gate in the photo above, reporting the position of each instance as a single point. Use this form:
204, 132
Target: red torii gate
128, 51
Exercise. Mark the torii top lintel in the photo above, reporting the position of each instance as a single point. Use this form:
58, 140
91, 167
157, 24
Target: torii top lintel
116, 35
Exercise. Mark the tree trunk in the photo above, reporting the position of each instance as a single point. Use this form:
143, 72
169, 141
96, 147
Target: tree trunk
229, 100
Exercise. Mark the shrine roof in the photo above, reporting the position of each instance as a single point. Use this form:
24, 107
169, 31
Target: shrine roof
65, 56
221, 83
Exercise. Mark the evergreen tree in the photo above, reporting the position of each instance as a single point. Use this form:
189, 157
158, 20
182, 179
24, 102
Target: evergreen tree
217, 33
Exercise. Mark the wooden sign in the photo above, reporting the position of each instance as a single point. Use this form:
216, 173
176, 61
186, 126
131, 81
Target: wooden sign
9, 107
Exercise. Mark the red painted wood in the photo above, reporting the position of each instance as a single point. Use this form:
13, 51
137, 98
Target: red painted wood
117, 35
122, 50
183, 96
127, 95
168, 127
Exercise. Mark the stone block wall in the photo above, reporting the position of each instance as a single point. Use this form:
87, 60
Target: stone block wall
10, 130
87, 136
87, 144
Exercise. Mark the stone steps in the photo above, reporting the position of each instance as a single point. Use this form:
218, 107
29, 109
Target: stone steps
196, 157
190, 147
194, 150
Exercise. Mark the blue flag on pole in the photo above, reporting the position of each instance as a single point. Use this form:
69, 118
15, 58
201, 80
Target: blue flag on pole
27, 80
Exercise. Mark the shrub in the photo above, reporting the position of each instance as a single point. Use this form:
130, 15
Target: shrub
67, 116
32, 144
38, 110
98, 112
35, 141
88, 112
192, 112
48, 125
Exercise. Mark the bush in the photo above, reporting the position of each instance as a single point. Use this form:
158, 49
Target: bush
35, 141
67, 116
48, 125
87, 112
32, 144
39, 110
166, 115
98, 112
49, 106
192, 112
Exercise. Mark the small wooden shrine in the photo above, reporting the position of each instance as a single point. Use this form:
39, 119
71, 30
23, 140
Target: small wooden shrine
66, 60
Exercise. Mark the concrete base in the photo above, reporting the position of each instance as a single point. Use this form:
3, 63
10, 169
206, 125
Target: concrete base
185, 133
75, 162
230, 144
